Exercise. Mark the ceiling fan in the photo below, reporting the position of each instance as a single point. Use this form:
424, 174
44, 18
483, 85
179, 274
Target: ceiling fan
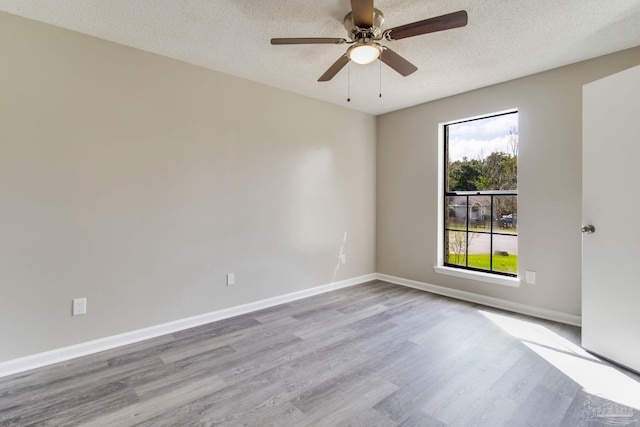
363, 25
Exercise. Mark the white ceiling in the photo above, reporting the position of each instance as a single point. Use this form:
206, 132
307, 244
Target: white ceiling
504, 39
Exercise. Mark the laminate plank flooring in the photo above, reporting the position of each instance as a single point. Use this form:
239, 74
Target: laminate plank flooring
376, 354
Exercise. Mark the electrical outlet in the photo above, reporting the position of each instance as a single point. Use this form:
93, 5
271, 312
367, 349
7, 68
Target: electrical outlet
231, 279
79, 306
530, 277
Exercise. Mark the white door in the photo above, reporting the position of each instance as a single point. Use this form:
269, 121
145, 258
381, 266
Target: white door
611, 203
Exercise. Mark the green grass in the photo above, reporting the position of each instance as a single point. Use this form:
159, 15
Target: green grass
502, 263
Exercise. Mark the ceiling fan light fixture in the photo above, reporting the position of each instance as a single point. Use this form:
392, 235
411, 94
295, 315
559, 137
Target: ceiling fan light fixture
364, 53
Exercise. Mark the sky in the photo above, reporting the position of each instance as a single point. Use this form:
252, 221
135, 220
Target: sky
478, 138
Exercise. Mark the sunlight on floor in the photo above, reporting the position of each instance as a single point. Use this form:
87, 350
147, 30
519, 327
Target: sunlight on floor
591, 373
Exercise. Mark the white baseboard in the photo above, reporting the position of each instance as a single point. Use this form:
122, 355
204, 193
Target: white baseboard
22, 364
542, 313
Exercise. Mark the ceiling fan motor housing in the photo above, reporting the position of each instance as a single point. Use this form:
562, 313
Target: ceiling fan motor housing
358, 34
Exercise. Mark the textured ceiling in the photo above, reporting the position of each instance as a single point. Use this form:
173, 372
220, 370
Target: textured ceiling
504, 39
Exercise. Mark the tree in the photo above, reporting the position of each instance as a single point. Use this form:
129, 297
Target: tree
465, 175
500, 172
497, 171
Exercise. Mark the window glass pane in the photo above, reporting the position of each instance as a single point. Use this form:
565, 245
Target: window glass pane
480, 250
456, 247
482, 154
505, 253
480, 213
456, 210
505, 210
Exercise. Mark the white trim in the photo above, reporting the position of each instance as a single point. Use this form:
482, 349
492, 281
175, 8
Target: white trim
543, 313
513, 282
71, 352
440, 201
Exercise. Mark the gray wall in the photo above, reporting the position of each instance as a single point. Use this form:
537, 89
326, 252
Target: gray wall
549, 182
139, 182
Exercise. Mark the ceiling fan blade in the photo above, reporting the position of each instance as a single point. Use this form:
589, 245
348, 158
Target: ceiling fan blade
362, 13
431, 25
308, 40
333, 70
397, 62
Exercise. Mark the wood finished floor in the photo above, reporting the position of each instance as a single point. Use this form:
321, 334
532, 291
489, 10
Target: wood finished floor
371, 355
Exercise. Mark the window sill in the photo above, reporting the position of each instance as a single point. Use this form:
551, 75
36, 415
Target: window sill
512, 282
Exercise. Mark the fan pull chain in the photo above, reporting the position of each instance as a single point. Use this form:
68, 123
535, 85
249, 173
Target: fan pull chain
380, 79
348, 82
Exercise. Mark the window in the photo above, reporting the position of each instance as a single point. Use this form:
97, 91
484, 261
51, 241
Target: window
481, 194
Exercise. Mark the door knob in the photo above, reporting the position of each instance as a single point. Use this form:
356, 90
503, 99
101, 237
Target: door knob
589, 229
